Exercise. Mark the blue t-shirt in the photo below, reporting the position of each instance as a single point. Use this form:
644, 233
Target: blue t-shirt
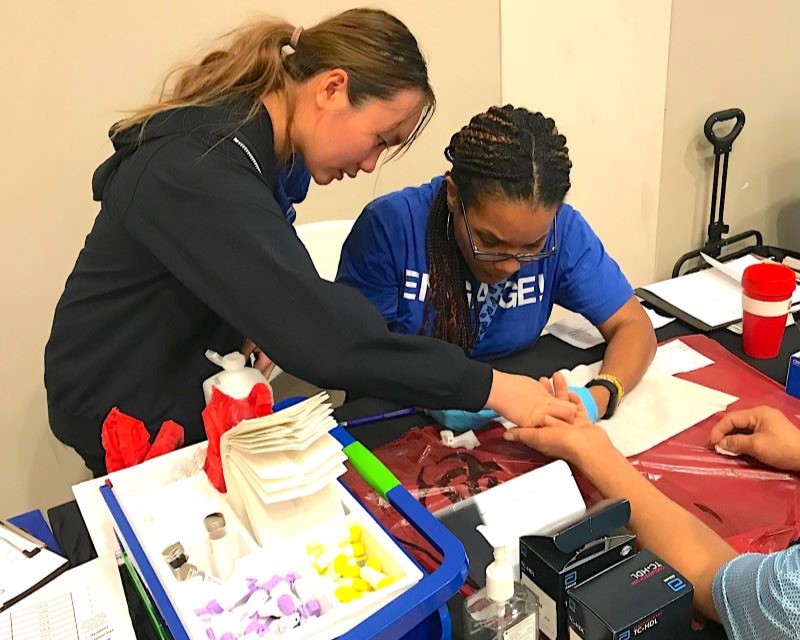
291, 186
386, 258
758, 596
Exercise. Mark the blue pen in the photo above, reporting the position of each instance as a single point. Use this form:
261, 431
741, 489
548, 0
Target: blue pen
357, 422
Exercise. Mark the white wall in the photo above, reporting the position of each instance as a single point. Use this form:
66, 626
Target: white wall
631, 84
600, 70
731, 53
70, 68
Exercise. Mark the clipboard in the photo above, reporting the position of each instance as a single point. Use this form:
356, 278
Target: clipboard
713, 293
25, 565
660, 304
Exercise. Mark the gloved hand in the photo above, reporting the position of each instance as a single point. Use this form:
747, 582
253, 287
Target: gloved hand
588, 402
459, 420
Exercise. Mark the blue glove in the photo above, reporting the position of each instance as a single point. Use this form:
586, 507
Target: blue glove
459, 420
588, 402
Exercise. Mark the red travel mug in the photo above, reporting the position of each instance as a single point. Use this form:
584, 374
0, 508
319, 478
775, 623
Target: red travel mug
767, 290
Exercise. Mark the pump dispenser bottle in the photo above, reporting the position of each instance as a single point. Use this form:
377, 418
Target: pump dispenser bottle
505, 609
235, 380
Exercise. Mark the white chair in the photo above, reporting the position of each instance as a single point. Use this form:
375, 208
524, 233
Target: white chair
324, 241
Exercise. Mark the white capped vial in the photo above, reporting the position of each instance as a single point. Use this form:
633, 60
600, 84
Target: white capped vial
222, 558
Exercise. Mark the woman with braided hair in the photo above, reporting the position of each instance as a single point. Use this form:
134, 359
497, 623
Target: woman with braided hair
478, 257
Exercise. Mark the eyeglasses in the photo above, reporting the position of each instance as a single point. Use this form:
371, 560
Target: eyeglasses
488, 256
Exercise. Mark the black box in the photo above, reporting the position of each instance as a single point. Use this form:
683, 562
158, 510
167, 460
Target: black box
642, 598
552, 564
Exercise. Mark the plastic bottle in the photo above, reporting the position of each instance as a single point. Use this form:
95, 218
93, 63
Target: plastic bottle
505, 609
222, 557
235, 380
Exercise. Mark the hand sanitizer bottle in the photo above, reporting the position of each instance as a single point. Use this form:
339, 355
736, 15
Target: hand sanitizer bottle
505, 609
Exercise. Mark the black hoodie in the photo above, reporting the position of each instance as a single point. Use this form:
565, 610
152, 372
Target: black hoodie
191, 252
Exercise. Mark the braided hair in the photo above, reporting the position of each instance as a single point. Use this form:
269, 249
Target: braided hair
506, 153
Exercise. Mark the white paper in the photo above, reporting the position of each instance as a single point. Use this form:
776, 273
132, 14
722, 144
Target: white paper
678, 357
658, 408
577, 331
657, 319
713, 296
733, 269
19, 573
85, 603
708, 295
96, 515
558, 502
10, 540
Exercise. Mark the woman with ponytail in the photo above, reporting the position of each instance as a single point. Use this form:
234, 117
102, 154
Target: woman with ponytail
478, 257
194, 249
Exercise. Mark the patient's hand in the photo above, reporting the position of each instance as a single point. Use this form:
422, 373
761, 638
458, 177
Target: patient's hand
767, 435
525, 401
558, 438
557, 385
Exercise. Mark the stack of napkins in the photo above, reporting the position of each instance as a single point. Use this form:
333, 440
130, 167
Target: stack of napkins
280, 470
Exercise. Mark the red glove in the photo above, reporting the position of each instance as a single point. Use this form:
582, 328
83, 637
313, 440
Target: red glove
223, 413
168, 439
125, 440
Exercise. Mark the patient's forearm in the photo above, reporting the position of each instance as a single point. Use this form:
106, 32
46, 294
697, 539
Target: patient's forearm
662, 526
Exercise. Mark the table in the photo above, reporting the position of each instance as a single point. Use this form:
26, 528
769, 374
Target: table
548, 355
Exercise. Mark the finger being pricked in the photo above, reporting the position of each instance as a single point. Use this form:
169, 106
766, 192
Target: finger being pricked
547, 384
580, 409
559, 409
560, 387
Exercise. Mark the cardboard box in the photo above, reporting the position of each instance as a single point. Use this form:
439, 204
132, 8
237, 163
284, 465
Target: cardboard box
793, 375
552, 564
641, 598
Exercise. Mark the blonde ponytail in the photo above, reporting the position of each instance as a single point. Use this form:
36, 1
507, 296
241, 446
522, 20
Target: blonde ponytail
377, 50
